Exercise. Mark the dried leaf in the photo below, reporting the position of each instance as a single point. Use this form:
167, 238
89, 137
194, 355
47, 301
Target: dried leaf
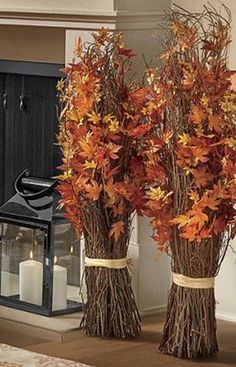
117, 229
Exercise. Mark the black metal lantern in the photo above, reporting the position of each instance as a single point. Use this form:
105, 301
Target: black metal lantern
40, 257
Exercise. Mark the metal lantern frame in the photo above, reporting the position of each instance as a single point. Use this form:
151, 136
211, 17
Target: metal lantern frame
35, 206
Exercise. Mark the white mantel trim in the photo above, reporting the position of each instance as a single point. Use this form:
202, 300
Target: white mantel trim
96, 12
83, 19
67, 25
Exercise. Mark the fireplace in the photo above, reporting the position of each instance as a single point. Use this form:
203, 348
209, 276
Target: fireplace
28, 121
45, 32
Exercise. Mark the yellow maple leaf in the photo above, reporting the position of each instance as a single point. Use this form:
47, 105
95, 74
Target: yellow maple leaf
66, 175
188, 170
113, 123
94, 117
156, 194
231, 142
72, 115
193, 195
90, 164
60, 84
167, 135
204, 100
184, 139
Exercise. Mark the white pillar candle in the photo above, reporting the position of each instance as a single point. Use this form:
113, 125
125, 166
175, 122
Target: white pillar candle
31, 281
59, 295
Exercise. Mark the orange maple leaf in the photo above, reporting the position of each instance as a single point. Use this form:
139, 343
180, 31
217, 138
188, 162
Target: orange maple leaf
140, 95
181, 220
215, 122
205, 233
118, 210
111, 172
83, 105
139, 130
184, 156
198, 217
81, 182
202, 177
211, 200
190, 233
200, 154
197, 115
192, 222
110, 189
87, 150
93, 190
111, 150
117, 229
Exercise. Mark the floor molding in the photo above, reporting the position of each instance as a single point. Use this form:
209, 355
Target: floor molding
226, 316
153, 310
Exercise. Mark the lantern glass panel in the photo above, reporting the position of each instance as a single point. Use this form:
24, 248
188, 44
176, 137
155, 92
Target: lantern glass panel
67, 267
22, 263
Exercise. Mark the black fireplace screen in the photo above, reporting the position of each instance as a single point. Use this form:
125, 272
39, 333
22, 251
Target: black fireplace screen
28, 122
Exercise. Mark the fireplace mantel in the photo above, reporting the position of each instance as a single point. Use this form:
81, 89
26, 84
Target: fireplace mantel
89, 14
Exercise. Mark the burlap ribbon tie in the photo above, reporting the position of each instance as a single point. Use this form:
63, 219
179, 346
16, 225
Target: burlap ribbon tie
108, 263
197, 283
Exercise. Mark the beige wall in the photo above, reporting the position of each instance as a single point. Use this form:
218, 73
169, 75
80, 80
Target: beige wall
32, 44
142, 5
226, 280
90, 5
57, 6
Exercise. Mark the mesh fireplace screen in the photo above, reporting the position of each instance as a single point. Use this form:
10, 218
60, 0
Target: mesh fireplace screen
28, 128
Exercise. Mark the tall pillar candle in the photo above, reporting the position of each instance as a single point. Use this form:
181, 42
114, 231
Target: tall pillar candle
31, 281
59, 295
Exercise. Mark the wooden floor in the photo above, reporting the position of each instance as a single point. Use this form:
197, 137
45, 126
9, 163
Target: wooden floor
140, 352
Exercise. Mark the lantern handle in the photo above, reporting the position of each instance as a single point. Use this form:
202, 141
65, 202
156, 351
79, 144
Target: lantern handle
33, 182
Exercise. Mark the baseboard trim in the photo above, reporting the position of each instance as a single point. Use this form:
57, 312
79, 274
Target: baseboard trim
226, 317
153, 310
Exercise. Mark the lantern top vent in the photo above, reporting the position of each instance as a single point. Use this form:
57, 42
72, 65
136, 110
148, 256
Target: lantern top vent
35, 200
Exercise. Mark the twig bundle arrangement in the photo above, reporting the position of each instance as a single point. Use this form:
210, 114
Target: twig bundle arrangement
194, 142
102, 175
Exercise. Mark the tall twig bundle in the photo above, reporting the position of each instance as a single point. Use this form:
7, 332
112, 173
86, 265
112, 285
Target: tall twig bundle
192, 206
103, 174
